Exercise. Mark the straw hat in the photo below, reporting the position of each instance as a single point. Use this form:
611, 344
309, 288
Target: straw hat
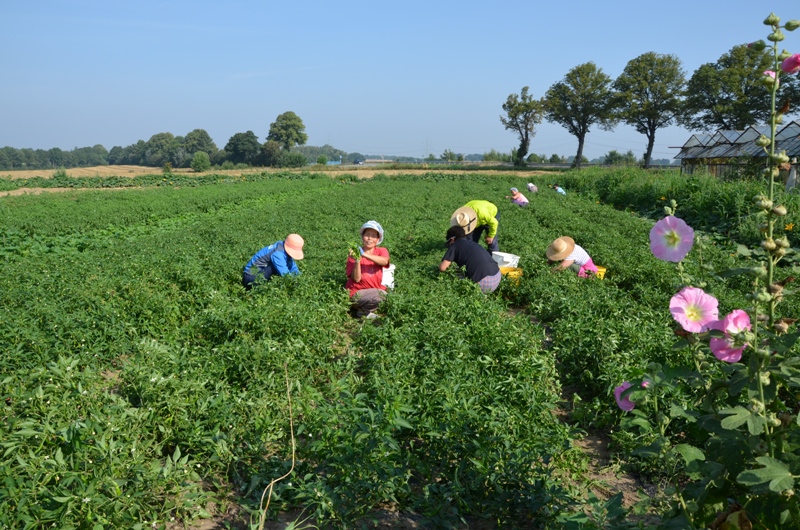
560, 248
375, 226
293, 245
466, 218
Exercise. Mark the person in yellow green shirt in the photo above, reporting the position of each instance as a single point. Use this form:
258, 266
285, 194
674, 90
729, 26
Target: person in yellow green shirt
476, 218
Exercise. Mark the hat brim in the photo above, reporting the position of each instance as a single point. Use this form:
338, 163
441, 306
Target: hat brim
466, 218
554, 255
293, 253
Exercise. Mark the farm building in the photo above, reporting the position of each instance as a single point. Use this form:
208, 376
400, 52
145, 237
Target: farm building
727, 153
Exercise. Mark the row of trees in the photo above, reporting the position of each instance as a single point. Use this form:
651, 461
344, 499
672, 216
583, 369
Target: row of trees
162, 149
651, 93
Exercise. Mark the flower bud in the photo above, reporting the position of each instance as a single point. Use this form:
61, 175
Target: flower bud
781, 327
779, 252
668, 210
763, 354
763, 296
773, 420
758, 45
788, 493
779, 119
763, 227
784, 55
783, 158
760, 272
761, 317
756, 406
772, 20
764, 204
775, 36
783, 242
779, 210
792, 25
762, 141
775, 288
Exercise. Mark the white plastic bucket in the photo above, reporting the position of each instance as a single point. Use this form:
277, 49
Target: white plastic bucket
388, 276
505, 259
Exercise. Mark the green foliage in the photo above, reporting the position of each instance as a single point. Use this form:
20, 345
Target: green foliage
322, 160
582, 99
523, 113
649, 94
292, 159
443, 408
728, 94
288, 130
200, 162
614, 158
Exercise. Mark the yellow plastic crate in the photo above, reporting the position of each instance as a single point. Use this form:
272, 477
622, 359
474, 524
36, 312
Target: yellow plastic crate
512, 273
601, 272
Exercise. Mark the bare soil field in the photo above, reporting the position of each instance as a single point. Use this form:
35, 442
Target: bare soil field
132, 171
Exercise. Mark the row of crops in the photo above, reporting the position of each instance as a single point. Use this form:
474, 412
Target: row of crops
141, 382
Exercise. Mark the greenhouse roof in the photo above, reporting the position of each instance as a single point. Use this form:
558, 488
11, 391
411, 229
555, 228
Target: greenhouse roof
734, 144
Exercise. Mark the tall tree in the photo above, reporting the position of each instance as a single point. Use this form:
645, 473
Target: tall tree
199, 140
649, 94
582, 99
243, 148
288, 130
159, 149
523, 113
728, 94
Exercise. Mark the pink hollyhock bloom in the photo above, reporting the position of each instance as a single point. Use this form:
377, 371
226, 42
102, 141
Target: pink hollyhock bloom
623, 402
671, 239
724, 348
791, 64
774, 76
693, 309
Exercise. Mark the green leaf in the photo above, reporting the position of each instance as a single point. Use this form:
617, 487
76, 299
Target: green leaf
774, 471
738, 416
690, 453
401, 422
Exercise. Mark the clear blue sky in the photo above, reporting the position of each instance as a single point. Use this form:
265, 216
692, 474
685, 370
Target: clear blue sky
401, 78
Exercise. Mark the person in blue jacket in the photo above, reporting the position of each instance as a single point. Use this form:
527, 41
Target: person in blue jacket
278, 258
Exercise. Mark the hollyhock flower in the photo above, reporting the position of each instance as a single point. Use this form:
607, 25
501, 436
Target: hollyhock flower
770, 78
623, 402
726, 349
693, 309
671, 239
791, 64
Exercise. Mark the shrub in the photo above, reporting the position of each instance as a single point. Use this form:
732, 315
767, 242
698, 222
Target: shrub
200, 162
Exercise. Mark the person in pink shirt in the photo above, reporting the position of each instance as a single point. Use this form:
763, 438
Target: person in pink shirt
365, 272
517, 198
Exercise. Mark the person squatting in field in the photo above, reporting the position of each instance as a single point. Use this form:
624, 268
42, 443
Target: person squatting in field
477, 217
517, 198
480, 267
278, 258
365, 272
571, 256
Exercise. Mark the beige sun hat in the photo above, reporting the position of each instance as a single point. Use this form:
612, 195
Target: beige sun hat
466, 218
560, 248
293, 245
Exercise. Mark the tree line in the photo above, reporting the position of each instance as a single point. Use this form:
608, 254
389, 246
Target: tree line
196, 150
651, 93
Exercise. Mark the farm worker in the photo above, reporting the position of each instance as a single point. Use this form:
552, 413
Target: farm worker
365, 272
559, 189
532, 187
480, 266
477, 217
278, 258
571, 256
517, 198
